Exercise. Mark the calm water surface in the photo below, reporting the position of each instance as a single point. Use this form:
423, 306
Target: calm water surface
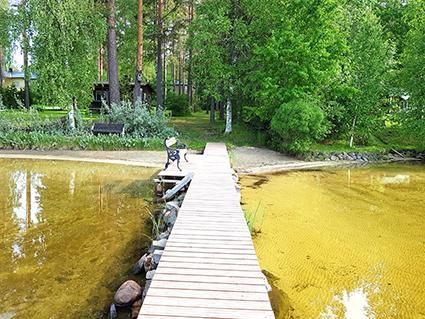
346, 243
69, 233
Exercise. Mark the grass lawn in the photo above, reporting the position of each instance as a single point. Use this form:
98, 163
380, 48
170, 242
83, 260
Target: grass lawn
389, 138
195, 130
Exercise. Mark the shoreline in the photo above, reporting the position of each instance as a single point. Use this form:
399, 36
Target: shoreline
300, 166
156, 159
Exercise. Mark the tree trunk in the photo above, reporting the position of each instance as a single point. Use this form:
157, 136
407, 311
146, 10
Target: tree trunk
164, 76
1, 67
25, 46
212, 111
221, 108
137, 94
189, 69
100, 64
159, 92
113, 77
353, 126
180, 73
228, 116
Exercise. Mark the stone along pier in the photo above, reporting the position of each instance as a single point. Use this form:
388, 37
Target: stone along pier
209, 268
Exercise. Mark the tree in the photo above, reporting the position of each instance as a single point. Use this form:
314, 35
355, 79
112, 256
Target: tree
5, 42
25, 50
113, 76
159, 79
65, 38
191, 8
139, 58
210, 43
413, 72
370, 57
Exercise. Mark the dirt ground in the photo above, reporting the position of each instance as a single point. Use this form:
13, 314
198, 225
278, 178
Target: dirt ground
245, 160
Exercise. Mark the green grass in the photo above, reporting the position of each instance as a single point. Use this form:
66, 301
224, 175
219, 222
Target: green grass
389, 138
46, 114
195, 130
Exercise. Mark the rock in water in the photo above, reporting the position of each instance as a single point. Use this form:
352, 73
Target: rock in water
113, 312
145, 291
150, 274
135, 308
159, 244
170, 217
157, 256
137, 268
149, 265
174, 205
128, 293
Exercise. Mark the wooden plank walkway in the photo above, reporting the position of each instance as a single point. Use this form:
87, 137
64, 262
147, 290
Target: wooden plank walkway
209, 268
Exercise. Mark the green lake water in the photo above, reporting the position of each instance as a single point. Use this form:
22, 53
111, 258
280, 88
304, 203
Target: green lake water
69, 233
342, 243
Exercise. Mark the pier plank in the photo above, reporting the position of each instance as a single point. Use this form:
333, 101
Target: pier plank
209, 268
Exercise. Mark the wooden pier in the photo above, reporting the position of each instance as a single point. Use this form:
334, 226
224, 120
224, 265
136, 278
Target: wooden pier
209, 268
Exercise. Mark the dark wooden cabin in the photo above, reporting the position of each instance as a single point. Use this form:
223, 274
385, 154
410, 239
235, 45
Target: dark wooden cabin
101, 93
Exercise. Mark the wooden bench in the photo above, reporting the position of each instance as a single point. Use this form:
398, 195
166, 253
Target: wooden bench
107, 128
174, 148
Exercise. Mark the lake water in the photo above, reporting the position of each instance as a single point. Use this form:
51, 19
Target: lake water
346, 243
69, 233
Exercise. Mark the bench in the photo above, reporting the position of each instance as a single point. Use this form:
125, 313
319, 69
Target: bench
174, 148
107, 128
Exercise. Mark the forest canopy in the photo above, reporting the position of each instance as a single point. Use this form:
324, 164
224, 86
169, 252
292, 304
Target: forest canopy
358, 66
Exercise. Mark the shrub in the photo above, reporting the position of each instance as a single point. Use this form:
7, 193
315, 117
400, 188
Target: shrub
11, 97
296, 125
139, 121
177, 104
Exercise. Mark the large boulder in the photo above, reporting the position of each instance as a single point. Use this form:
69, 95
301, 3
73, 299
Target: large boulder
127, 293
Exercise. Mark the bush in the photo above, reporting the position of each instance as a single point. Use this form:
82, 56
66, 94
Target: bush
296, 125
11, 97
139, 121
177, 104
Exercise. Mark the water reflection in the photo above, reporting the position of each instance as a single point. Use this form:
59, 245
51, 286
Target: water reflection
67, 232
26, 198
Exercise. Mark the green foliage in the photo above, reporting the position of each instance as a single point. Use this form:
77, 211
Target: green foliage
139, 121
371, 57
43, 141
177, 104
413, 73
211, 42
11, 97
66, 38
297, 125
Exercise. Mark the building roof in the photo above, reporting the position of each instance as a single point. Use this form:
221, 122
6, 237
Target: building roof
17, 75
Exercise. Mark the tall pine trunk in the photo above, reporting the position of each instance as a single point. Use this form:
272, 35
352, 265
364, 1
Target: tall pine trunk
159, 80
212, 110
137, 94
221, 110
189, 69
113, 77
